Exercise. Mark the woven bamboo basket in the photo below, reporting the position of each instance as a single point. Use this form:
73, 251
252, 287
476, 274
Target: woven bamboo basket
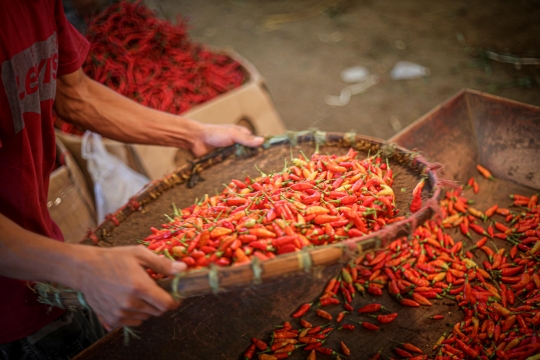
207, 174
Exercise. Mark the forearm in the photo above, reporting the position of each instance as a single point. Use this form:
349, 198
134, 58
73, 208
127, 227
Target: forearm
28, 256
113, 281
96, 107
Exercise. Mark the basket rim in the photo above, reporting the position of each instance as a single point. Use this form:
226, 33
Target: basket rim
219, 278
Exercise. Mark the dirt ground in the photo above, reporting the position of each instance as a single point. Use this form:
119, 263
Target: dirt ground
301, 58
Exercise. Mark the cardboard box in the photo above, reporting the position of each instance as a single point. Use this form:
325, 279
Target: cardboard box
70, 204
249, 105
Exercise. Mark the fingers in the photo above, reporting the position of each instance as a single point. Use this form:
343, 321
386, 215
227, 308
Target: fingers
138, 305
157, 298
224, 135
133, 310
149, 291
243, 136
244, 129
123, 293
159, 264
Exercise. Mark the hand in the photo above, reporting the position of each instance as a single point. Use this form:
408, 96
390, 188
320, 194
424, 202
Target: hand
118, 288
213, 136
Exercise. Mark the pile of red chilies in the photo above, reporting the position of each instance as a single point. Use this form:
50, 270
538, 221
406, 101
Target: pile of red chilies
312, 202
499, 299
153, 61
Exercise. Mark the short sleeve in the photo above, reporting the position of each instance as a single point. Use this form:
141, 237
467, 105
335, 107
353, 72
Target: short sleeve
72, 45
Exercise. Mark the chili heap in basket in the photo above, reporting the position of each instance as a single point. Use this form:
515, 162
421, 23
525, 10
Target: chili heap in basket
312, 202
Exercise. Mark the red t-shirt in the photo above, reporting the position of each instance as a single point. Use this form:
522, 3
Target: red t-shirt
37, 44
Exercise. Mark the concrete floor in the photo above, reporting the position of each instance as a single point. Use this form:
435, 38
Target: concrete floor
301, 59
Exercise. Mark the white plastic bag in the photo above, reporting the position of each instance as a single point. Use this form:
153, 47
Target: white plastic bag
114, 181
404, 70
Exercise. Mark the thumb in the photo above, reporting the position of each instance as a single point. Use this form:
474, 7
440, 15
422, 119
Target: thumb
244, 137
159, 264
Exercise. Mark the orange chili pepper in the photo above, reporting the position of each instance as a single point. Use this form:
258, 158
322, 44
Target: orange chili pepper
485, 172
489, 212
344, 348
323, 314
262, 233
220, 231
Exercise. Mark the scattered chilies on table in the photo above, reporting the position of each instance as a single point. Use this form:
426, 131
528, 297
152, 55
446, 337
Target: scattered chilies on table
499, 297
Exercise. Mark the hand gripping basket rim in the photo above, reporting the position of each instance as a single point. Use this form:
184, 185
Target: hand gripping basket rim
216, 279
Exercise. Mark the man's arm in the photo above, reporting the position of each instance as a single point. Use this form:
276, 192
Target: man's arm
113, 281
93, 106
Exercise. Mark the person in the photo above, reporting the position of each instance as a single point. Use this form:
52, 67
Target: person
40, 57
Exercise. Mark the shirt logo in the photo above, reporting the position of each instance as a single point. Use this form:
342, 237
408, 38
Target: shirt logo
29, 78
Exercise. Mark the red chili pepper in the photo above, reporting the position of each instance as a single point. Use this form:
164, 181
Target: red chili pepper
248, 354
329, 301
280, 343
511, 270
285, 335
437, 317
478, 229
376, 356
421, 299
325, 350
409, 302
307, 339
326, 331
402, 353
411, 347
416, 203
374, 290
347, 295
355, 233
340, 316
261, 345
302, 186
524, 280
369, 326
235, 201
466, 349
369, 308
387, 318
323, 219
302, 310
